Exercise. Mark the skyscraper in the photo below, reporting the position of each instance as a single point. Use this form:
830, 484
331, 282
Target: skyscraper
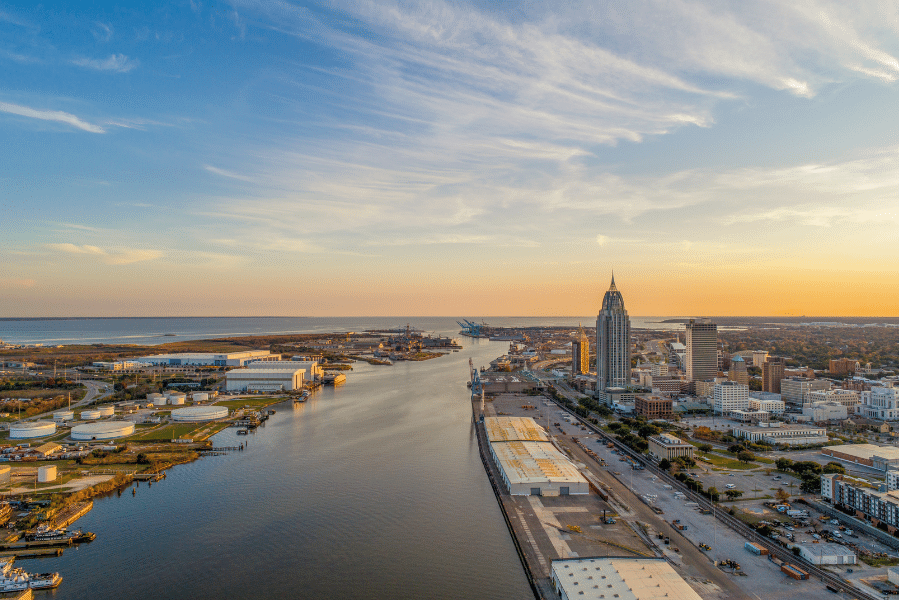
581, 349
613, 341
702, 350
772, 374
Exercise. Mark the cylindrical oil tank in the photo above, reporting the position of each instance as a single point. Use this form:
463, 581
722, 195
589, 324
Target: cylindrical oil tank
200, 396
104, 430
177, 399
63, 415
5, 472
160, 401
86, 415
46, 473
152, 397
35, 429
107, 411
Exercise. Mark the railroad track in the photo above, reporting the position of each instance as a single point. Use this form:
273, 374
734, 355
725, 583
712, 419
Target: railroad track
731, 522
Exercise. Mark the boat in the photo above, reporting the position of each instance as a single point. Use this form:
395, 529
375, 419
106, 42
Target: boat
44, 534
242, 432
17, 580
334, 378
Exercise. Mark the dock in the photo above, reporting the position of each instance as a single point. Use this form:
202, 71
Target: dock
71, 513
32, 553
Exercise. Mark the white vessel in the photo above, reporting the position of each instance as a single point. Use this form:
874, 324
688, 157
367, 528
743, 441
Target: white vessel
17, 580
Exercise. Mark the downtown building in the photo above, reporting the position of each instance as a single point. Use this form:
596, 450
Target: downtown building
581, 351
701, 358
613, 342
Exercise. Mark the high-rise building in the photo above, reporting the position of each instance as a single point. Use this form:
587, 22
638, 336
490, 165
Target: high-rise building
613, 341
729, 396
772, 374
795, 390
738, 371
581, 350
702, 350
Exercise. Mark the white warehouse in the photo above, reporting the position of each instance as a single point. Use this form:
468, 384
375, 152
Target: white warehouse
268, 380
229, 359
313, 368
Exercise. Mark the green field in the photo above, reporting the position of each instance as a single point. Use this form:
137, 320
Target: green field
253, 403
167, 432
725, 463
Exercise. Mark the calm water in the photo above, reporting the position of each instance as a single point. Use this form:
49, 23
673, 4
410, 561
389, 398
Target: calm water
155, 330
371, 490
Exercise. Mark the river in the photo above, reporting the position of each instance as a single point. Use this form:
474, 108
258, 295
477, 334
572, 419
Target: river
373, 489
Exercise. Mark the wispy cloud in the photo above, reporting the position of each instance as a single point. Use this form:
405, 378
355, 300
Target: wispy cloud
102, 32
118, 63
50, 115
117, 256
229, 174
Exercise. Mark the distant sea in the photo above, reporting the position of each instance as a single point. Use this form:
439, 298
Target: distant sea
164, 330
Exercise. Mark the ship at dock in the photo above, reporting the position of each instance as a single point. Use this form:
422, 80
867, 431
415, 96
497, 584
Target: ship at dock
334, 378
17, 580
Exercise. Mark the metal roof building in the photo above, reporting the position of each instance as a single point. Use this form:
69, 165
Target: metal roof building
537, 469
239, 380
623, 578
514, 429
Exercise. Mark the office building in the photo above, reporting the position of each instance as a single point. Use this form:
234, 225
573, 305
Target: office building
848, 398
772, 374
772, 406
759, 358
613, 341
780, 434
729, 396
843, 366
795, 390
702, 352
668, 446
738, 371
653, 407
581, 354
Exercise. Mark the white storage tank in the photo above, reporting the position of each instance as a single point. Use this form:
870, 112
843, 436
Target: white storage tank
87, 415
5, 473
46, 473
35, 429
200, 396
105, 430
107, 411
63, 415
177, 399
155, 398
199, 413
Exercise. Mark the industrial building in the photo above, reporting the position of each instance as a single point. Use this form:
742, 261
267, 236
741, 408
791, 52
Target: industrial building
197, 414
827, 554
106, 430
528, 462
228, 359
312, 367
514, 429
269, 380
618, 577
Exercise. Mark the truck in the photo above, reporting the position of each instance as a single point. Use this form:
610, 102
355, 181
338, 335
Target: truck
796, 514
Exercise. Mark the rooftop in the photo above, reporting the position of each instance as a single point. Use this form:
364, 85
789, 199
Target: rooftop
534, 462
508, 429
827, 549
624, 578
867, 451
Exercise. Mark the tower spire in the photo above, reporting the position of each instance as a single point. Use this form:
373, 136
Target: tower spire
612, 284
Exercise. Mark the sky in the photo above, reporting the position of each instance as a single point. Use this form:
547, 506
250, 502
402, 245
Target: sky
448, 158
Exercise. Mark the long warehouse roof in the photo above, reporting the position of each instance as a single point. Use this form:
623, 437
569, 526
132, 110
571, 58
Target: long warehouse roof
535, 462
622, 578
514, 429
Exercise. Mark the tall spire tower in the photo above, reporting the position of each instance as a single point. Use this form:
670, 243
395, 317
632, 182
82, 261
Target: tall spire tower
613, 341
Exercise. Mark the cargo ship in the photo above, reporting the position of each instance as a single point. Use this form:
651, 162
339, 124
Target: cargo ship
334, 378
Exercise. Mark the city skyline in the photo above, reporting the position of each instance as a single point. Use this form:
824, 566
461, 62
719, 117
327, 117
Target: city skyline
360, 159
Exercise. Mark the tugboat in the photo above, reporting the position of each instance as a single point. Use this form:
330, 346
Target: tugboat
44, 534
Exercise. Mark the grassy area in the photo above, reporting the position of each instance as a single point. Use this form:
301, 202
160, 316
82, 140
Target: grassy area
253, 403
879, 562
725, 463
167, 432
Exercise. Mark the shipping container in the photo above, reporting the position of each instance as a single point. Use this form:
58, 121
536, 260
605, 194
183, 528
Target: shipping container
755, 548
794, 572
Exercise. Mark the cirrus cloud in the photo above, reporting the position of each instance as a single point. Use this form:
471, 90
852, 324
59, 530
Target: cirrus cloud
117, 256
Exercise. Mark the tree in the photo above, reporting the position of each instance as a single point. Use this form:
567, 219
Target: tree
735, 448
142, 459
665, 465
733, 494
745, 457
783, 464
834, 467
781, 495
811, 483
705, 447
713, 494
806, 466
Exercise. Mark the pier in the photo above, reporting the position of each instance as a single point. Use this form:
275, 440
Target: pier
71, 513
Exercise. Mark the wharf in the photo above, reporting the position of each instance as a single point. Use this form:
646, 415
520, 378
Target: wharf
149, 476
31, 553
71, 513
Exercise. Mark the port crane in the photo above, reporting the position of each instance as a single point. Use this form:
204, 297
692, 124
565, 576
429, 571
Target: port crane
470, 328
